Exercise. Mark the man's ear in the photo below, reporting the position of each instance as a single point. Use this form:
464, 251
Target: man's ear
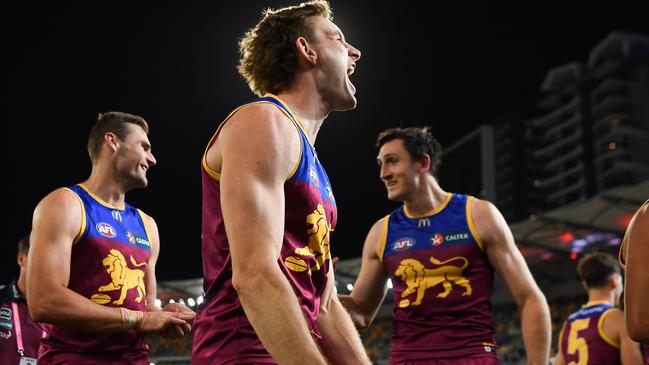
21, 259
425, 162
111, 140
305, 50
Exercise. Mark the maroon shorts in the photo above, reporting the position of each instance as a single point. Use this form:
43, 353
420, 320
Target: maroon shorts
480, 360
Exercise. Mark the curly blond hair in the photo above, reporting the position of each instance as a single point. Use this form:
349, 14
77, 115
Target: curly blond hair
268, 59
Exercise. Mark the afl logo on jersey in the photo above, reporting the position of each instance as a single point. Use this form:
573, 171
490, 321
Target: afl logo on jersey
436, 239
106, 230
403, 244
313, 175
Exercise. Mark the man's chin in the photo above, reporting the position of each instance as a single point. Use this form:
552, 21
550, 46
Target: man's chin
139, 183
348, 104
393, 197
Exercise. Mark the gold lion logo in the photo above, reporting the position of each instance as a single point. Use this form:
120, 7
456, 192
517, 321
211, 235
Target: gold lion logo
318, 245
122, 277
419, 278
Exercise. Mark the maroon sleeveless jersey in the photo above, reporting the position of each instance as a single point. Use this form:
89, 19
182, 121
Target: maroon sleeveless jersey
442, 283
582, 339
108, 265
223, 334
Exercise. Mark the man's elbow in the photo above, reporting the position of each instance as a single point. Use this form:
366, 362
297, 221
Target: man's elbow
45, 304
246, 281
362, 322
537, 298
535, 304
361, 319
240, 283
39, 309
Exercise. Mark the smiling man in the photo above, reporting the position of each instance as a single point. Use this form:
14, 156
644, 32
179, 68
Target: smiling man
91, 268
440, 250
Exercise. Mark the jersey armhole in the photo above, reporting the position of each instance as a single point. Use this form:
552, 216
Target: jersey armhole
146, 224
215, 175
299, 160
600, 329
82, 228
469, 220
384, 238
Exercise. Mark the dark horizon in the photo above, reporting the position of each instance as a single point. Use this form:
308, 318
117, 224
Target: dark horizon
441, 64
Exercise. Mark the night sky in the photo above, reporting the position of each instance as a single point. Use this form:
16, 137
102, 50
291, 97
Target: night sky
450, 65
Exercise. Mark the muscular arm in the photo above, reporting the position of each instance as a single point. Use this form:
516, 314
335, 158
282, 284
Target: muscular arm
507, 260
340, 341
258, 149
56, 223
636, 287
369, 289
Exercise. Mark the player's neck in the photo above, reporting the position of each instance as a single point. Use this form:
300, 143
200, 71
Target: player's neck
105, 187
429, 197
308, 108
20, 283
601, 296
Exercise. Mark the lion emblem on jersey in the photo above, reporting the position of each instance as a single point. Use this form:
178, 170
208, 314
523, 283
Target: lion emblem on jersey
318, 245
418, 278
123, 277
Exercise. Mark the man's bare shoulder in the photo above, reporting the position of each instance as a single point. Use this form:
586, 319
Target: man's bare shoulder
58, 213
63, 198
259, 138
260, 119
483, 208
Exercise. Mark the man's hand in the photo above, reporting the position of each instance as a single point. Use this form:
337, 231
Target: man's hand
177, 330
173, 321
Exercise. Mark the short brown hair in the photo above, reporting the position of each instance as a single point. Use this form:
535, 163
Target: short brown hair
596, 268
23, 245
418, 141
268, 59
114, 122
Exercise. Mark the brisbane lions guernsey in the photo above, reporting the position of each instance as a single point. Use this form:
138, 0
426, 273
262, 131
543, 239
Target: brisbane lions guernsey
442, 282
223, 334
582, 339
108, 265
